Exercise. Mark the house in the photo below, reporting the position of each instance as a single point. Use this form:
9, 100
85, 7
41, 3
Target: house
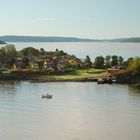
18, 64
114, 69
74, 60
48, 65
61, 66
34, 65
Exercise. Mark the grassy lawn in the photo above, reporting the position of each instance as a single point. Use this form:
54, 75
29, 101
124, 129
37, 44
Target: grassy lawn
77, 74
91, 73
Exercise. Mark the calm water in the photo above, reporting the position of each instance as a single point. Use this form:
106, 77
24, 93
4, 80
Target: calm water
92, 49
78, 111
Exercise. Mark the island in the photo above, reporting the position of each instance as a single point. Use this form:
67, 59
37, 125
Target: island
49, 66
2, 42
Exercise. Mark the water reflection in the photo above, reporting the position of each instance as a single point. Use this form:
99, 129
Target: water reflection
8, 89
9, 85
134, 91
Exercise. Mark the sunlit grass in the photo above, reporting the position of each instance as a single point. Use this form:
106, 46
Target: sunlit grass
91, 73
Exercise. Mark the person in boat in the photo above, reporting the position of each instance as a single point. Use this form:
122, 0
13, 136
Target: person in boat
47, 96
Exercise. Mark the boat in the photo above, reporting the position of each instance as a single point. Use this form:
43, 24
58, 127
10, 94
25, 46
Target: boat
48, 96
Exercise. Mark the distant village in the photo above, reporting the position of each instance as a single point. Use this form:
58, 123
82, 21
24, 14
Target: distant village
52, 61
31, 58
59, 62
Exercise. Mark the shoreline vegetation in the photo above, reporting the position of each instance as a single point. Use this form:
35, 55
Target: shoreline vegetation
58, 66
90, 75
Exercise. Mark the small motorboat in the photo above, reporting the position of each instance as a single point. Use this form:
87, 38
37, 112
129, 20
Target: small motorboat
48, 96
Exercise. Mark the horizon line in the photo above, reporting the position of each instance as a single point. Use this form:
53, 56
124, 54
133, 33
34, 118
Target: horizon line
70, 37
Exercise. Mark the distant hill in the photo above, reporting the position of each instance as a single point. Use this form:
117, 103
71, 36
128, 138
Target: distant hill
63, 39
133, 39
2, 42
42, 39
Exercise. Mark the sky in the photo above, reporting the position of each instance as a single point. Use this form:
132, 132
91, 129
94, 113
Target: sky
96, 19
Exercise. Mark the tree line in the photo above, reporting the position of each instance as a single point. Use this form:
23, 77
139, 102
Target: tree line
109, 61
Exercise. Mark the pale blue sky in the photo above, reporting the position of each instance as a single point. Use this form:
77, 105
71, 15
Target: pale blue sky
71, 18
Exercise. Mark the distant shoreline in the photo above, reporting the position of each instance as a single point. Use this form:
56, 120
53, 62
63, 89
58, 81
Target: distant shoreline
12, 38
2, 42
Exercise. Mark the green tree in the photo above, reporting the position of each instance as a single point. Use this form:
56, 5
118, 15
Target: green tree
87, 62
134, 66
114, 61
8, 54
2, 55
56, 50
59, 53
42, 51
129, 60
120, 60
108, 61
30, 51
99, 62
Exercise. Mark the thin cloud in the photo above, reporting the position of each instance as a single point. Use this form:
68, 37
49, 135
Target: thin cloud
46, 19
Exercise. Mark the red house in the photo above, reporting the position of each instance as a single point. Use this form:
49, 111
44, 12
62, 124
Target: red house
114, 69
